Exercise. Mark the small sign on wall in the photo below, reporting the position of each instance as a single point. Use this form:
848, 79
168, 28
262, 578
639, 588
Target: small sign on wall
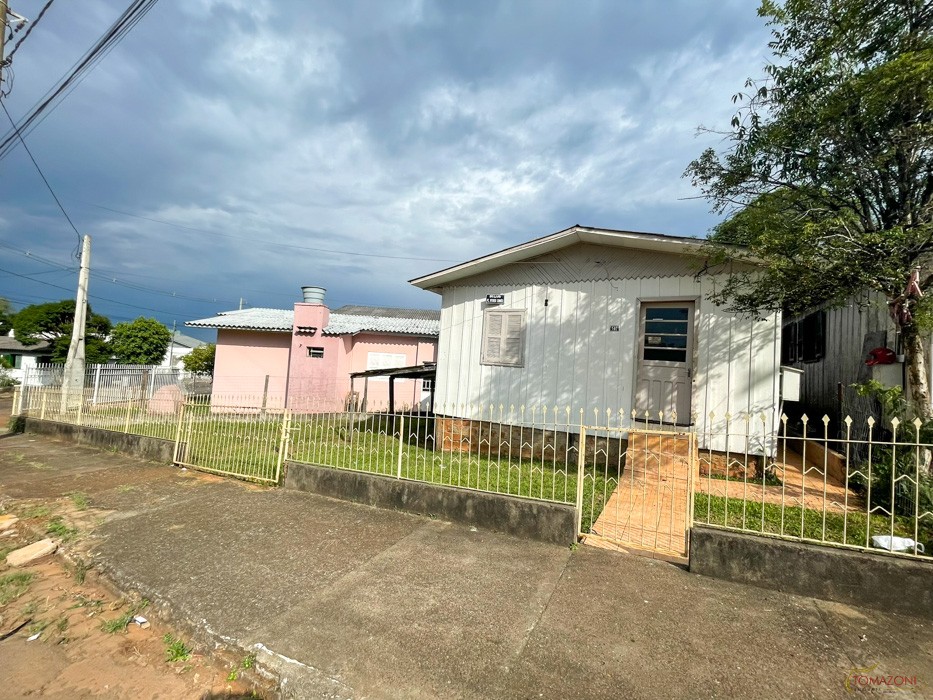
613, 329
495, 298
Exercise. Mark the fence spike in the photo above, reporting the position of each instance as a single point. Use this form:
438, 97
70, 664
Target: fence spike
871, 421
804, 419
848, 421
826, 420
917, 423
895, 422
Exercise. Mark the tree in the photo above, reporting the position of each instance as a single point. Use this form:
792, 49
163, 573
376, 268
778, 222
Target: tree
53, 322
6, 316
201, 359
140, 342
828, 167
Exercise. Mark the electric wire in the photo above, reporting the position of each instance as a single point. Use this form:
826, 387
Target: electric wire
269, 243
90, 296
32, 25
112, 279
41, 174
111, 38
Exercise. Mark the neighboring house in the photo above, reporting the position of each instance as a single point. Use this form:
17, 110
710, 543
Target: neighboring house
23, 357
591, 318
302, 358
180, 346
831, 348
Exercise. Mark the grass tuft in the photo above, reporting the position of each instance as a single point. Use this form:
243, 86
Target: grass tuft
12, 586
79, 499
175, 649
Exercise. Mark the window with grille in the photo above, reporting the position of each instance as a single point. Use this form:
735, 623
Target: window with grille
503, 338
804, 340
316, 352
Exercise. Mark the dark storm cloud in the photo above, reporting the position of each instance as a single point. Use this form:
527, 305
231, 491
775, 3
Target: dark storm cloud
405, 129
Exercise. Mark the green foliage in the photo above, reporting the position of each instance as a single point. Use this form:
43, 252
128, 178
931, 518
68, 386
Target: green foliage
896, 477
12, 586
6, 316
176, 649
140, 342
828, 164
53, 322
79, 499
119, 624
59, 529
6, 379
201, 359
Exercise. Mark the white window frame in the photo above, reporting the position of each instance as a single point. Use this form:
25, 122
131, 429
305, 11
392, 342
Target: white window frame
486, 357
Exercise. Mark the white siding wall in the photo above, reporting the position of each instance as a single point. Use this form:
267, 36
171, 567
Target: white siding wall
573, 359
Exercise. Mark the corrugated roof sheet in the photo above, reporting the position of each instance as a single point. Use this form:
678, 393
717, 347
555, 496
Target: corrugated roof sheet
344, 324
249, 320
186, 340
388, 312
8, 343
282, 320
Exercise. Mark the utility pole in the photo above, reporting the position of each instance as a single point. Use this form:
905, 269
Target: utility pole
4, 10
73, 379
171, 348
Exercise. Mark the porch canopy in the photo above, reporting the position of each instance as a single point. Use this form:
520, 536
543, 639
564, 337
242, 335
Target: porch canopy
428, 370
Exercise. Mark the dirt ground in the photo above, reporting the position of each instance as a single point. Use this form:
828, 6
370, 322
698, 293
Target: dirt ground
83, 649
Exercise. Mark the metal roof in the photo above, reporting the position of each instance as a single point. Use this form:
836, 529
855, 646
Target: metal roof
656, 242
282, 320
249, 320
12, 344
186, 341
388, 312
428, 370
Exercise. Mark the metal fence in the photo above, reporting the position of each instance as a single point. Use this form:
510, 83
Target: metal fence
868, 493
636, 481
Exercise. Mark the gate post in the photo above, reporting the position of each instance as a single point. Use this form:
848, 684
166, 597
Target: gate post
284, 443
581, 468
181, 419
401, 443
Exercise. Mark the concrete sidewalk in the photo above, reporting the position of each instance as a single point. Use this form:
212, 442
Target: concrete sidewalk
348, 601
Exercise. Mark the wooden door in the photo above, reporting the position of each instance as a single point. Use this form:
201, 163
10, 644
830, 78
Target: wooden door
664, 380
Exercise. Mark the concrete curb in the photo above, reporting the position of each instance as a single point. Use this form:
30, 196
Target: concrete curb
876, 580
554, 523
141, 446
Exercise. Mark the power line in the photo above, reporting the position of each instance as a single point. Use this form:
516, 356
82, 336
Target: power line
92, 296
41, 174
268, 243
113, 36
32, 25
113, 280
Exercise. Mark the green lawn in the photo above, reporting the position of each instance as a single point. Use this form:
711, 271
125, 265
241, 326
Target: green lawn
853, 529
373, 446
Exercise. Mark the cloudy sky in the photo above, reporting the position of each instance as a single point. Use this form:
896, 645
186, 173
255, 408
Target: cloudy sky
230, 149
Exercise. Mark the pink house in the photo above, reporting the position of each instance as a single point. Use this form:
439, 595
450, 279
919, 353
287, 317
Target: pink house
303, 357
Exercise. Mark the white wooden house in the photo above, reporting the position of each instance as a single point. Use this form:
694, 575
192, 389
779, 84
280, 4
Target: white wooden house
600, 319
